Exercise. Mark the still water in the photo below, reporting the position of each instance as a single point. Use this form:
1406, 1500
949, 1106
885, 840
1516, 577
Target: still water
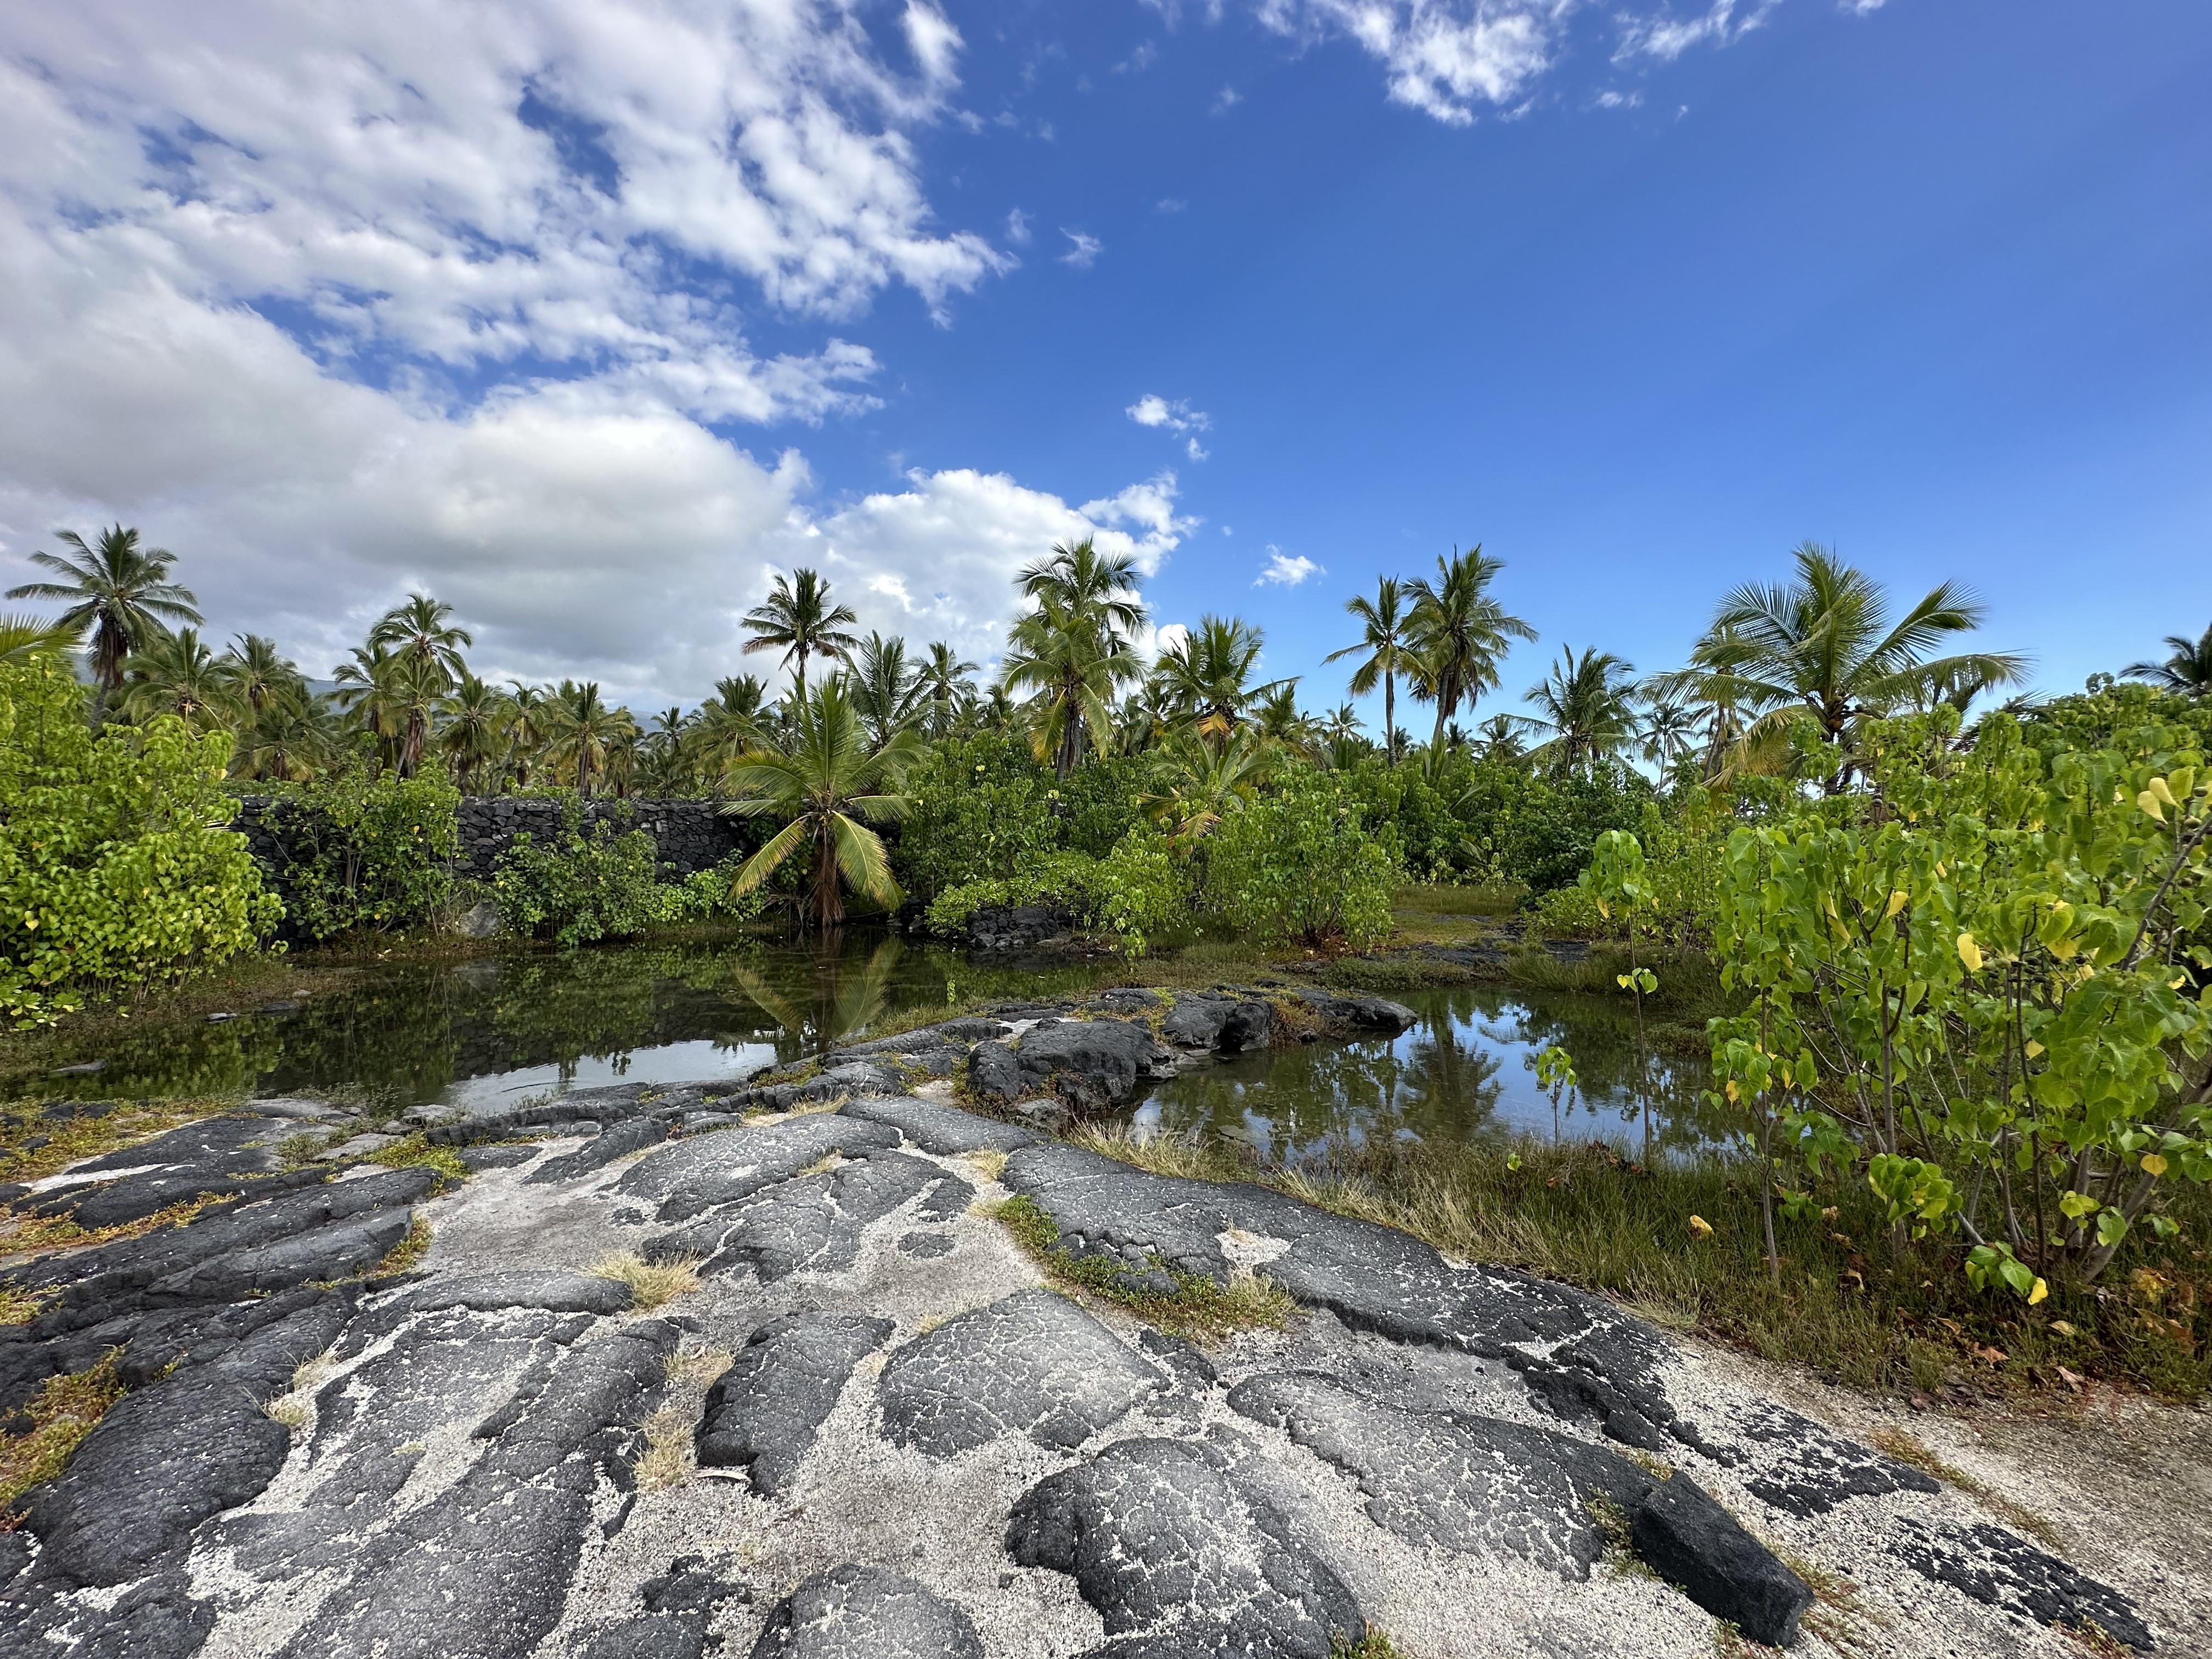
485, 1032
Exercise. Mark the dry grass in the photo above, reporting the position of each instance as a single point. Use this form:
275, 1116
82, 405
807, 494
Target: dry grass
824, 1165
988, 1165
19, 1306
651, 1282
1185, 1156
697, 1368
61, 1414
669, 1457
1907, 1447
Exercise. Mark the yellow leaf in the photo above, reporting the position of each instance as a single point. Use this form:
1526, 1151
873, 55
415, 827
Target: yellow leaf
2153, 1163
2062, 1327
1896, 902
2033, 1047
2165, 795
2149, 803
2037, 1292
1970, 953
1701, 1228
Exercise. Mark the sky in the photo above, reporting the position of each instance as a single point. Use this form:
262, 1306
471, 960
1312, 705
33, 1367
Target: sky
590, 316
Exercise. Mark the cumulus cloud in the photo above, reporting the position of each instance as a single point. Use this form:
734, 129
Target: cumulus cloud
1175, 414
1285, 570
1442, 57
1084, 250
336, 303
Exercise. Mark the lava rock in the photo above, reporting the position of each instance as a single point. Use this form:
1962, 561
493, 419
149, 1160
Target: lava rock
1691, 1541
1166, 1545
854, 1612
995, 1072
2001, 1569
946, 1130
617, 1141
1228, 1025
762, 1413
689, 1176
1093, 1065
1031, 1362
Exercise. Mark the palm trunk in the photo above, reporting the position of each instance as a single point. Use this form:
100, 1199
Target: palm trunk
829, 895
1390, 718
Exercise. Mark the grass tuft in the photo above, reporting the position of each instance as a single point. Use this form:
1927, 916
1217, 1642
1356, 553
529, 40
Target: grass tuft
669, 1456
1197, 1307
697, 1368
34, 1234
417, 1152
61, 1413
1376, 1644
403, 1256
19, 1306
651, 1282
1181, 1155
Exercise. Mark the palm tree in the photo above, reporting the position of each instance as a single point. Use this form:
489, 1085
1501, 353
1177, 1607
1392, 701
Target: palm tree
828, 785
527, 729
259, 673
2188, 670
886, 689
177, 674
473, 733
1501, 740
581, 731
1342, 745
1823, 646
1073, 662
731, 723
942, 677
1384, 636
24, 638
1101, 587
120, 591
1458, 633
798, 619
1670, 731
287, 740
428, 646
1588, 707
1276, 718
1201, 782
1205, 677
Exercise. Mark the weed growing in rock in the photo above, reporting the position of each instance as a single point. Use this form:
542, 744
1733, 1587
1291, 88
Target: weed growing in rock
990, 1165
61, 1413
696, 1368
1907, 1447
403, 1256
415, 1151
1185, 1156
1839, 1615
67, 1140
1197, 1307
1376, 1644
651, 1282
19, 1306
668, 1458
32, 1234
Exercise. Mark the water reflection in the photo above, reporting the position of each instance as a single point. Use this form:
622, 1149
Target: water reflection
483, 1033
1465, 1072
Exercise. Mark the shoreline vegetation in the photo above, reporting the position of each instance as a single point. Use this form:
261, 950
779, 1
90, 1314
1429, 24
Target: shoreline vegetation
1946, 961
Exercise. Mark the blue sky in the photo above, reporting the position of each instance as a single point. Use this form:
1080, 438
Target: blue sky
1636, 303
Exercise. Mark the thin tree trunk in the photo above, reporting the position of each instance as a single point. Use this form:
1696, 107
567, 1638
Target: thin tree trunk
1390, 718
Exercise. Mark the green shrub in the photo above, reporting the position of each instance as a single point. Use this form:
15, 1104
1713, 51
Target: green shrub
368, 851
116, 865
980, 810
604, 885
1299, 864
1140, 892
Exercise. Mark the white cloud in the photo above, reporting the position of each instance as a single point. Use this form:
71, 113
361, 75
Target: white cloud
1285, 570
1226, 99
1175, 415
1017, 227
1170, 204
335, 301
1861, 8
1664, 37
1442, 57
1084, 252
1195, 451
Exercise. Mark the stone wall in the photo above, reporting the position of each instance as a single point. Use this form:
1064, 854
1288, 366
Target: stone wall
690, 834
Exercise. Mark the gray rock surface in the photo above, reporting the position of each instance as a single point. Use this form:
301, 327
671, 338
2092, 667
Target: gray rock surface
854, 1612
481, 1455
1178, 1558
762, 1415
1032, 1364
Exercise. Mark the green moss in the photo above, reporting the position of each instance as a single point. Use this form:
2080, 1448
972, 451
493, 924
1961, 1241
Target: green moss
61, 1414
1197, 1308
417, 1152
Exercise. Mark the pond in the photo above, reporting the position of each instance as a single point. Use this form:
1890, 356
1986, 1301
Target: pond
485, 1032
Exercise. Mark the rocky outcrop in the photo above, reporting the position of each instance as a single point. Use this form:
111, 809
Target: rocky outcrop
913, 1446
